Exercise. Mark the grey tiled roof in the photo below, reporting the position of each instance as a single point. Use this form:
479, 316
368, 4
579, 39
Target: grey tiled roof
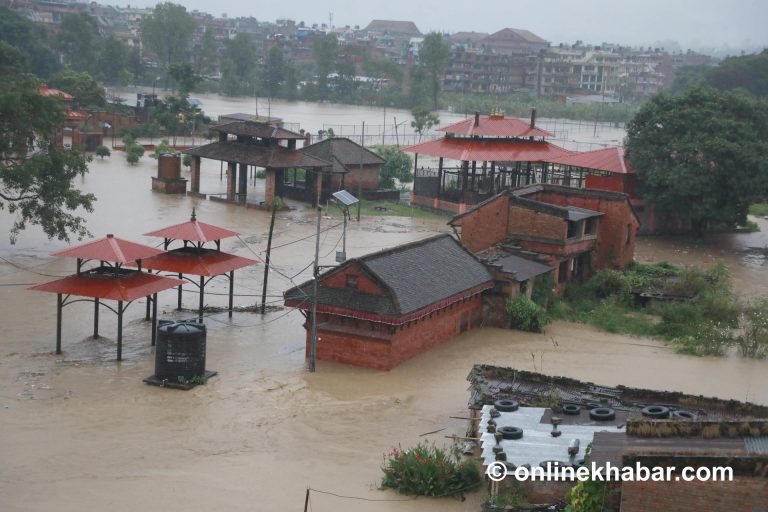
414, 275
522, 268
345, 154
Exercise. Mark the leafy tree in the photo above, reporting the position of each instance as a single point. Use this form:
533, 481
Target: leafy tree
325, 52
687, 76
102, 151
113, 60
291, 82
174, 114
423, 120
433, 58
167, 32
77, 38
31, 41
238, 66
185, 77
701, 155
274, 71
748, 72
205, 56
397, 165
133, 152
81, 85
35, 174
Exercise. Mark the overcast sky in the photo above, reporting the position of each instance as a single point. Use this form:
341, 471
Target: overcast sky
697, 23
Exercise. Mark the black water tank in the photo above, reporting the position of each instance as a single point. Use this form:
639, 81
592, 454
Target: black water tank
180, 351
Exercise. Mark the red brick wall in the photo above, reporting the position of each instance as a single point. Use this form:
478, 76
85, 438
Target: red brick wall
384, 351
367, 178
485, 226
743, 494
526, 222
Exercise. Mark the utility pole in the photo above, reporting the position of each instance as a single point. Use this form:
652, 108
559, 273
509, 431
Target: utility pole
266, 261
359, 182
316, 272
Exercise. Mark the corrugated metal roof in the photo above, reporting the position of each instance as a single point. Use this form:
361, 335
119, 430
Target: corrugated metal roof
192, 261
193, 231
495, 126
110, 248
490, 150
756, 444
127, 287
609, 159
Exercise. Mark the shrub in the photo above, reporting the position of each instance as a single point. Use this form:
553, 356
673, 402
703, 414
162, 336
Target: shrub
133, 152
526, 315
186, 161
753, 342
102, 151
426, 470
162, 148
606, 283
710, 339
542, 289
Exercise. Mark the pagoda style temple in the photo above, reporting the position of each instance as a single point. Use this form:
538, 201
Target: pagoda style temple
480, 157
290, 172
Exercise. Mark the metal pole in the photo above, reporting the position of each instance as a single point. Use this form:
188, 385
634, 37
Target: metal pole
266, 261
344, 234
178, 306
147, 314
202, 299
359, 181
154, 318
313, 339
95, 318
119, 330
306, 500
231, 290
59, 305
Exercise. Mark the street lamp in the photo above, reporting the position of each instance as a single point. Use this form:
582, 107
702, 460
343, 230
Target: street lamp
344, 200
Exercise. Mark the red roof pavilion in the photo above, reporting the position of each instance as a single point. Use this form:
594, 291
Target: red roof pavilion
108, 281
494, 126
613, 160
194, 259
491, 150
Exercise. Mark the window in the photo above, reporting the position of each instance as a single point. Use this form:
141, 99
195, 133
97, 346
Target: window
573, 229
351, 281
590, 226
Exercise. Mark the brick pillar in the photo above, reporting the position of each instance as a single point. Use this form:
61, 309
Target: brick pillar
269, 186
231, 170
195, 175
242, 188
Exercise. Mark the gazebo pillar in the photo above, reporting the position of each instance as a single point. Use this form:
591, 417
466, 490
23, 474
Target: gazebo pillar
440, 177
119, 330
194, 185
270, 186
231, 170
318, 186
242, 188
59, 305
154, 318
95, 318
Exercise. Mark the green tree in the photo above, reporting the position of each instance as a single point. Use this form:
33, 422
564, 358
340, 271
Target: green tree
701, 155
185, 77
325, 52
687, 76
423, 120
175, 114
205, 56
113, 60
167, 32
102, 151
433, 58
78, 39
36, 175
31, 41
749, 72
238, 66
133, 152
81, 85
397, 165
274, 71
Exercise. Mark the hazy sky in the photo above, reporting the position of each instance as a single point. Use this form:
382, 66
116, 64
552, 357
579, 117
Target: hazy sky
700, 23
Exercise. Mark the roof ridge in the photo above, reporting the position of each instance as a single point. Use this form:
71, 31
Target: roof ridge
402, 247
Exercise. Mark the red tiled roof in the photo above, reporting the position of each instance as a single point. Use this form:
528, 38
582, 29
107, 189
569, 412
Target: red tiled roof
495, 126
609, 159
44, 90
193, 231
490, 150
110, 248
193, 261
126, 288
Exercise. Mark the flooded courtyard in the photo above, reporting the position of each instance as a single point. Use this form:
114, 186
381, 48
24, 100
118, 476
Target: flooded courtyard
82, 432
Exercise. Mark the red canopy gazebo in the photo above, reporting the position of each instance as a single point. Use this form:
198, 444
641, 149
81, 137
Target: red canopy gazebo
195, 259
110, 281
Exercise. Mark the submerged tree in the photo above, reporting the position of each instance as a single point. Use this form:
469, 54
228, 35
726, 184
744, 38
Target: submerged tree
35, 173
433, 59
423, 120
701, 155
167, 32
325, 51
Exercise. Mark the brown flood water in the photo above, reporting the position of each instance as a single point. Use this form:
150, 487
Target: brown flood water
81, 432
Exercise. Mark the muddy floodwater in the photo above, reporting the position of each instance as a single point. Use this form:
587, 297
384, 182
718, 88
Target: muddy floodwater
79, 431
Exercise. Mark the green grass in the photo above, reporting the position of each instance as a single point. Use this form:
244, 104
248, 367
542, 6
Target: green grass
368, 209
759, 210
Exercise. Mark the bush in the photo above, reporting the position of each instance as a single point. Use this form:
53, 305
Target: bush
186, 161
162, 148
753, 341
526, 315
103, 151
710, 339
133, 152
426, 470
606, 283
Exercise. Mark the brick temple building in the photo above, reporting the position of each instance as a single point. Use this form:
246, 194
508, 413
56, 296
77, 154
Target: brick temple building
356, 168
383, 308
574, 231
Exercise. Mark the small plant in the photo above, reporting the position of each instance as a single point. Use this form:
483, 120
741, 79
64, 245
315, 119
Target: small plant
197, 379
711, 339
526, 315
162, 148
261, 174
753, 342
587, 495
426, 470
186, 161
102, 151
133, 152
